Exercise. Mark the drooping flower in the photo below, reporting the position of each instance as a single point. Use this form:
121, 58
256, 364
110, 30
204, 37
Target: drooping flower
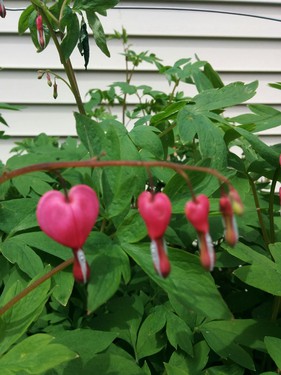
69, 220
2, 9
229, 221
236, 202
156, 210
197, 212
40, 31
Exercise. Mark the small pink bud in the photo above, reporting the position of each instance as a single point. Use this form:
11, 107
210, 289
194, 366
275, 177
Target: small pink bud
236, 202
40, 31
229, 222
280, 160
156, 210
197, 213
81, 269
68, 220
2, 9
49, 81
160, 257
207, 253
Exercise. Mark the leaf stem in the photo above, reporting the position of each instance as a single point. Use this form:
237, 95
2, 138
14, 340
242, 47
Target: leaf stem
271, 204
35, 284
257, 204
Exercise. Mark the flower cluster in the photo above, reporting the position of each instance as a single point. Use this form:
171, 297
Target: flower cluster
155, 209
69, 219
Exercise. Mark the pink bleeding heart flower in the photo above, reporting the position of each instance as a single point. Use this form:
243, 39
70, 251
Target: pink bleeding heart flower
81, 269
156, 210
197, 212
2, 9
229, 221
40, 31
68, 219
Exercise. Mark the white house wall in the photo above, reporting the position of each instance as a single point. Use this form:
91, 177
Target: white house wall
240, 48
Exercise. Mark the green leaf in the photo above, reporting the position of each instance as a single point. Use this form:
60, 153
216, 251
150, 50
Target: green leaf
167, 113
17, 214
180, 364
186, 275
124, 318
80, 340
15, 321
24, 20
42, 242
37, 181
179, 334
98, 32
70, 39
94, 5
149, 340
35, 355
263, 150
16, 251
106, 271
227, 96
254, 274
273, 346
225, 370
145, 137
211, 138
225, 338
112, 363
64, 282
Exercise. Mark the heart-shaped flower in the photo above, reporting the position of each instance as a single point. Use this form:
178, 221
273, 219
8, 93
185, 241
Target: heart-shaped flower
229, 221
68, 219
197, 213
156, 210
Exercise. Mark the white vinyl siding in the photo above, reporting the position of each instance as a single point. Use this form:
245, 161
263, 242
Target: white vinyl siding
240, 48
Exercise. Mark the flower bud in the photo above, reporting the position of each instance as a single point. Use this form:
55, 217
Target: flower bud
40, 31
55, 89
2, 9
229, 221
49, 81
236, 202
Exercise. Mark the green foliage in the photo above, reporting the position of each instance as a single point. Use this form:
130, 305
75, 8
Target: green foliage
127, 319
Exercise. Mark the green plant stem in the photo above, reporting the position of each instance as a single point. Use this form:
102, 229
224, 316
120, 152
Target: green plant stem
65, 62
94, 163
35, 284
257, 204
271, 205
